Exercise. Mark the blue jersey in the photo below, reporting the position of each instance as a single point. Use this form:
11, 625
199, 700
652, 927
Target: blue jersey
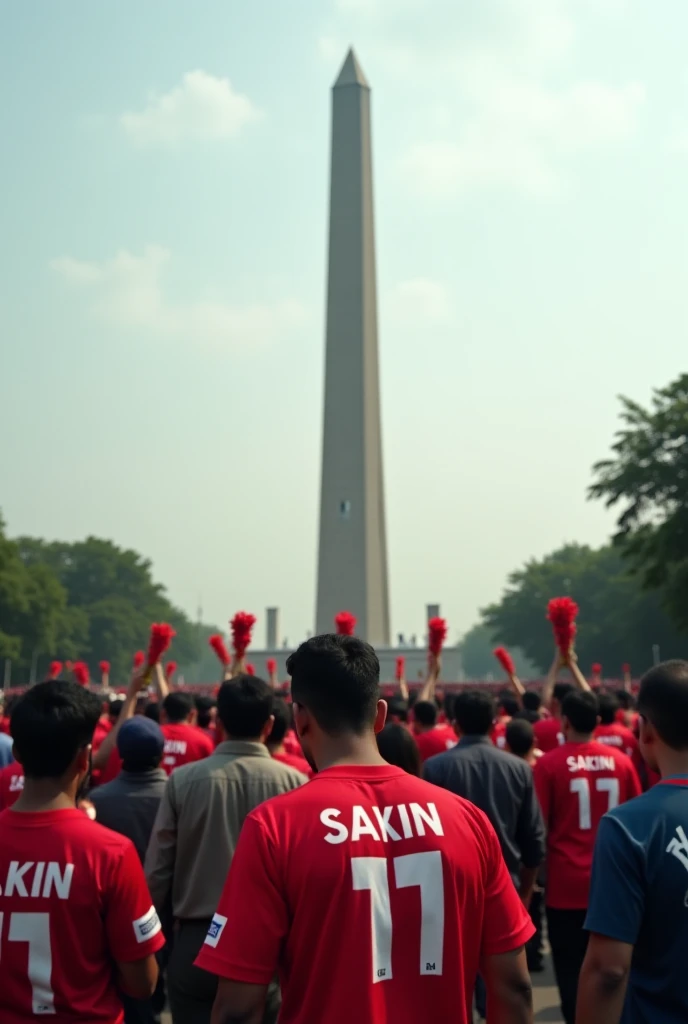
639, 895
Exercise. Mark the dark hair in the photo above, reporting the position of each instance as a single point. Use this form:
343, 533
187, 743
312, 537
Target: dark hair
561, 690
581, 708
532, 701
152, 711
525, 715
425, 712
397, 707
177, 706
608, 706
50, 724
663, 701
474, 712
625, 699
413, 697
520, 736
114, 708
142, 764
283, 721
244, 705
338, 679
508, 703
398, 747
204, 707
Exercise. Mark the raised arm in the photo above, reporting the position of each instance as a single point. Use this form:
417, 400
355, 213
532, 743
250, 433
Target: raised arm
578, 677
137, 683
161, 685
434, 669
551, 677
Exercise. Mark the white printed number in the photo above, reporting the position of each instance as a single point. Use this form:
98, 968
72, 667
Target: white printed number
421, 869
34, 929
582, 787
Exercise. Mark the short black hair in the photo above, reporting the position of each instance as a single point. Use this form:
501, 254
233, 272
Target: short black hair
50, 724
284, 721
625, 698
114, 708
204, 707
398, 747
532, 701
474, 712
397, 707
152, 711
508, 702
425, 712
663, 701
562, 690
520, 736
582, 709
178, 706
608, 706
244, 706
526, 715
338, 679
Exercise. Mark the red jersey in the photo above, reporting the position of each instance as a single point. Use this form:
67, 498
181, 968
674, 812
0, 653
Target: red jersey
74, 900
619, 736
5, 725
292, 744
103, 727
184, 743
11, 784
300, 763
548, 734
435, 741
576, 785
498, 735
403, 884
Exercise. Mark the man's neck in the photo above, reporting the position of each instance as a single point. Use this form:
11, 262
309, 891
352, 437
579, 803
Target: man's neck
40, 795
672, 762
579, 737
350, 750
276, 749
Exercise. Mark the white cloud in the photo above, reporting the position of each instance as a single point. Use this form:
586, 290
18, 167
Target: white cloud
419, 300
127, 291
201, 108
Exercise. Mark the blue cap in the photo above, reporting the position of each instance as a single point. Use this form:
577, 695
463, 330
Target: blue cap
139, 739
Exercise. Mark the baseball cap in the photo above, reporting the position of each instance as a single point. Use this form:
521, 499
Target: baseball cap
140, 738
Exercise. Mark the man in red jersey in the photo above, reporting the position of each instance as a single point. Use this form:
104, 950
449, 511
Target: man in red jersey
507, 706
548, 731
576, 785
283, 720
431, 738
374, 894
76, 919
184, 741
614, 734
11, 784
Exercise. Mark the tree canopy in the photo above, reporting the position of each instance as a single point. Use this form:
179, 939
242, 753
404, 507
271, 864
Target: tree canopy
478, 660
647, 476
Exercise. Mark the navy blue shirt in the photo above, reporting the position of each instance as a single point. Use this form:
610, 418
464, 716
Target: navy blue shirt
639, 895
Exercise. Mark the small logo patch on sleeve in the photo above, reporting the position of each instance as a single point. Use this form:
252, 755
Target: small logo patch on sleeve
217, 926
147, 926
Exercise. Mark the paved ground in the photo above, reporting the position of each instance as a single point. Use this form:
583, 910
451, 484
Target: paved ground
546, 998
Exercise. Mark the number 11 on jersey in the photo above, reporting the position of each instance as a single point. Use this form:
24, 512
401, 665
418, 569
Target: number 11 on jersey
416, 869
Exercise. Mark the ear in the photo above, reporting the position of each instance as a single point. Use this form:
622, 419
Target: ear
380, 716
83, 759
302, 719
267, 729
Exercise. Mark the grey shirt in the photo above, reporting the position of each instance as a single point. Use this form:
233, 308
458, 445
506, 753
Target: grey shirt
129, 804
501, 785
199, 821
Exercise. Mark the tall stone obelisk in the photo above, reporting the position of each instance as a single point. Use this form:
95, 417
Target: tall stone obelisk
352, 560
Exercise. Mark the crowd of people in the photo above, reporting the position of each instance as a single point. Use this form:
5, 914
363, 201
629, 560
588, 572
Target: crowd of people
324, 855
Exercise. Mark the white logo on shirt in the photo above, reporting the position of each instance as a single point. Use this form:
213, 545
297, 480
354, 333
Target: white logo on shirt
215, 931
147, 926
679, 846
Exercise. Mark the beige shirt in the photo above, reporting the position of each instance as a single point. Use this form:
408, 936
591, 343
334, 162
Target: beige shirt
197, 827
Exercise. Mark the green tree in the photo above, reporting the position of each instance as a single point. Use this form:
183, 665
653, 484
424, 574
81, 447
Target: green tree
478, 660
618, 621
648, 478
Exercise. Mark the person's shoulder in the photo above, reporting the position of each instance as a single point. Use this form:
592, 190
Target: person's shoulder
551, 758
442, 762
635, 814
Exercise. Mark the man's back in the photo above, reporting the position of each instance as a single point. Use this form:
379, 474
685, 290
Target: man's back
184, 744
129, 805
394, 887
576, 785
72, 902
499, 784
201, 813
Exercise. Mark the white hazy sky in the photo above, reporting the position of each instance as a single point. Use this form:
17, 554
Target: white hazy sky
162, 277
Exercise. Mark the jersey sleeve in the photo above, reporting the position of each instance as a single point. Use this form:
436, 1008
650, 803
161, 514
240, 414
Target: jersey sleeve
617, 890
246, 933
506, 922
131, 922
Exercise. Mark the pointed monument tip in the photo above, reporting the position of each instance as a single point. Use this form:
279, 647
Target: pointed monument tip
351, 73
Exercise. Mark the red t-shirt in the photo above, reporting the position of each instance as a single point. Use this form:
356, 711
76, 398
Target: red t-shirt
300, 763
619, 736
402, 883
435, 741
498, 734
292, 744
5, 725
576, 785
74, 900
11, 785
548, 734
184, 743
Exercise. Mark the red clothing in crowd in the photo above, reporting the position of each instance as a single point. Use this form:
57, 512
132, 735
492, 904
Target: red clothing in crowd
403, 884
74, 900
103, 727
548, 734
11, 784
619, 736
184, 743
292, 744
294, 761
576, 785
498, 734
435, 741
5, 725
